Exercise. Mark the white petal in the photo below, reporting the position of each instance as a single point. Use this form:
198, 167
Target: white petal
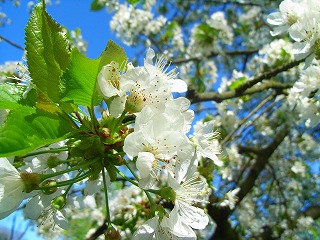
147, 229
179, 86
275, 18
60, 220
193, 216
117, 106
144, 163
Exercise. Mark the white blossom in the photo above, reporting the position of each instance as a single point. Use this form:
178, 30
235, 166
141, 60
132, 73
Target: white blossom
11, 188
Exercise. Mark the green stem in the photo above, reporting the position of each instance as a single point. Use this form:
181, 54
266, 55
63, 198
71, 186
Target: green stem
94, 120
69, 187
116, 124
52, 150
152, 203
46, 176
106, 197
125, 177
128, 123
68, 182
131, 170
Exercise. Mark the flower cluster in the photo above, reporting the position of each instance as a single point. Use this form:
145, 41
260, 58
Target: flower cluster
301, 19
207, 37
153, 147
129, 22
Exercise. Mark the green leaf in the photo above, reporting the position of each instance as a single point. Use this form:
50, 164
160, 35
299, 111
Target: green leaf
237, 83
133, 1
28, 128
47, 52
113, 52
11, 96
79, 81
96, 5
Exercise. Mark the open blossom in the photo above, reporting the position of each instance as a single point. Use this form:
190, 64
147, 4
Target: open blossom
230, 199
171, 227
189, 193
206, 141
150, 85
159, 146
301, 20
288, 15
11, 188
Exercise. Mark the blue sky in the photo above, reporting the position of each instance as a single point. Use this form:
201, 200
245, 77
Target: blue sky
69, 13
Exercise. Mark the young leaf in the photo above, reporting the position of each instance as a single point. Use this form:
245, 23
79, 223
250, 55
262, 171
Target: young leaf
27, 128
96, 5
11, 96
78, 82
113, 52
47, 52
237, 83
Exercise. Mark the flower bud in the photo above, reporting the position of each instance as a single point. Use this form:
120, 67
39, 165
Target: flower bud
51, 187
112, 234
59, 202
53, 161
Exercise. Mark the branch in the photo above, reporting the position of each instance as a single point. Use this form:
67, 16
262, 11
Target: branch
196, 97
100, 230
312, 211
11, 43
224, 230
245, 88
260, 105
263, 156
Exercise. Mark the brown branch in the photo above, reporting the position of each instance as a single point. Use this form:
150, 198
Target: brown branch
267, 109
260, 105
100, 230
196, 97
224, 230
11, 43
262, 159
246, 88
312, 211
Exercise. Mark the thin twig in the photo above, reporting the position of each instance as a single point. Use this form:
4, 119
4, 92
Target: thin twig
260, 105
12, 43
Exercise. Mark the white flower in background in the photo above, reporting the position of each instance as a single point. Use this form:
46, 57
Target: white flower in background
230, 199
94, 186
206, 141
218, 21
129, 22
11, 188
299, 168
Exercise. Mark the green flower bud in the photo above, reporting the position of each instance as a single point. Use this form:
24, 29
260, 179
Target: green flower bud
59, 202
53, 161
51, 184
